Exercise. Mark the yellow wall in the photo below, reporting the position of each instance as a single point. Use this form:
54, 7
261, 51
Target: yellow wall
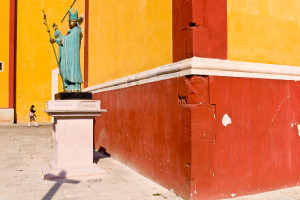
264, 31
4, 53
128, 36
35, 57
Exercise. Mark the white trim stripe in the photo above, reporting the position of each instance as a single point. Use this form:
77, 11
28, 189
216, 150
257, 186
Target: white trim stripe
202, 66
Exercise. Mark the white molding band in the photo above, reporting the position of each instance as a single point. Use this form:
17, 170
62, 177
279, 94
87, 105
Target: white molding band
202, 66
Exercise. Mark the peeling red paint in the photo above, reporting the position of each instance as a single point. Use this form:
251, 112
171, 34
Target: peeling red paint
146, 128
172, 132
208, 35
195, 89
149, 129
259, 150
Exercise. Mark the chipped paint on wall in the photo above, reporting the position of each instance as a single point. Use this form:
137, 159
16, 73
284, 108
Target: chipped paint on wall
226, 120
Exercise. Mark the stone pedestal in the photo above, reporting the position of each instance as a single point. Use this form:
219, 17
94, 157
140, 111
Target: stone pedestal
73, 138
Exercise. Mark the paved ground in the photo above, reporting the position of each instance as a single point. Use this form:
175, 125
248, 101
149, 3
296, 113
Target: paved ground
284, 194
25, 150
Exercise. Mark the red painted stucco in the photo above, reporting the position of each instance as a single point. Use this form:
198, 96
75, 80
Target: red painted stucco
199, 29
146, 128
259, 150
12, 32
172, 132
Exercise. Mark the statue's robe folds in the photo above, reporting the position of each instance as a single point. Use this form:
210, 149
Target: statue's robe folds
58, 35
69, 59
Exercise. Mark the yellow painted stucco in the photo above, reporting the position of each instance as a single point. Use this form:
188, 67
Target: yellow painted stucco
264, 31
4, 53
35, 57
127, 37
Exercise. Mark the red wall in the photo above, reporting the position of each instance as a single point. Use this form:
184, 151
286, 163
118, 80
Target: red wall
172, 132
260, 150
147, 127
199, 29
12, 52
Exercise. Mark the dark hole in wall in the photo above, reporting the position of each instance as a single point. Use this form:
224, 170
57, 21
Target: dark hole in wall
192, 24
182, 99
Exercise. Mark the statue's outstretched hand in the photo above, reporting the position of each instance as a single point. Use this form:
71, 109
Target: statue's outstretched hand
54, 26
52, 40
81, 19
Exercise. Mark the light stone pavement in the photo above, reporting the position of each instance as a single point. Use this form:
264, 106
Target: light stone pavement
24, 151
292, 193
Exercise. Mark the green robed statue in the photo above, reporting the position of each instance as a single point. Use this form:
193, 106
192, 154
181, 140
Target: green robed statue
69, 57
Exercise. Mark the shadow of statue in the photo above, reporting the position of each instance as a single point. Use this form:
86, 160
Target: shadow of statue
100, 154
61, 179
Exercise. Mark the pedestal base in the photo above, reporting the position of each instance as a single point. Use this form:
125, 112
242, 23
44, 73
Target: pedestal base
73, 138
51, 171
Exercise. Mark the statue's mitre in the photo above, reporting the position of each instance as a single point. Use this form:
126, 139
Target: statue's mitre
73, 16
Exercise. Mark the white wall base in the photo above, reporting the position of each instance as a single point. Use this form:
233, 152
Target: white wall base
7, 115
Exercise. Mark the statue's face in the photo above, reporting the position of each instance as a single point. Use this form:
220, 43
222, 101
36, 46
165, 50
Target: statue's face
72, 23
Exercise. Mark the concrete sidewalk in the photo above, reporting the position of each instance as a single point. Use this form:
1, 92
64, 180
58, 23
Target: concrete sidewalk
292, 193
25, 150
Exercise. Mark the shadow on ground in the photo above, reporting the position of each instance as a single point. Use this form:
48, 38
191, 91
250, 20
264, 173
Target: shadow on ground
61, 179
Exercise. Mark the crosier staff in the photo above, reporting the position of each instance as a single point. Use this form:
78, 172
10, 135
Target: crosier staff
45, 22
68, 11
